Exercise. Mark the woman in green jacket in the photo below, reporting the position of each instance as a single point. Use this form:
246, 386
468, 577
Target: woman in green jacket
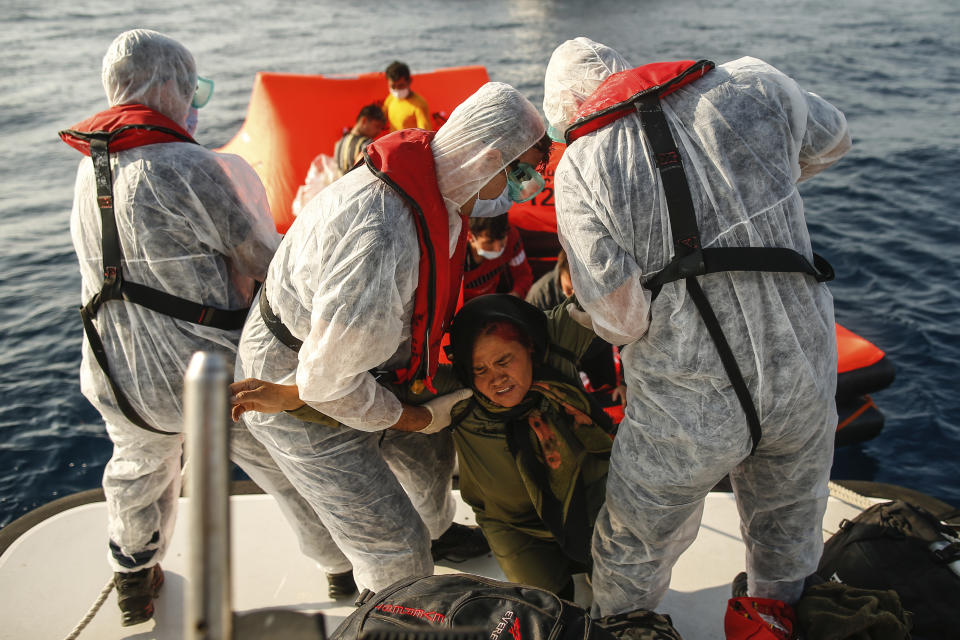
533, 447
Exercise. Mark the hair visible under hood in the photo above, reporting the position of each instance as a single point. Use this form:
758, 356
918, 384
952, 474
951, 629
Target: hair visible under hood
576, 68
149, 68
484, 310
484, 134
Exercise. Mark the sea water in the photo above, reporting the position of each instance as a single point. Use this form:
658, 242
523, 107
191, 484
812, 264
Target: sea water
887, 216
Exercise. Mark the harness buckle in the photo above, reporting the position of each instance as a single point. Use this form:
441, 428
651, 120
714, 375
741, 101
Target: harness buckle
691, 265
105, 202
110, 275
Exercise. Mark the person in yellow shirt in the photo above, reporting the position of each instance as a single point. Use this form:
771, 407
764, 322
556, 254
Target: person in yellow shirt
404, 108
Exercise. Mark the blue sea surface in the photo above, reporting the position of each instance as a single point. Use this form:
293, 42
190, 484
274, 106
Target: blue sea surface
887, 216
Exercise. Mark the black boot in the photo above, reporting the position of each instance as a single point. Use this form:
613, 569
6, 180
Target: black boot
135, 593
459, 543
341, 585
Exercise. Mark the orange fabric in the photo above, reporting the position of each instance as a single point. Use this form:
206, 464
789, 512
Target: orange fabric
859, 412
405, 160
116, 117
854, 352
291, 118
759, 619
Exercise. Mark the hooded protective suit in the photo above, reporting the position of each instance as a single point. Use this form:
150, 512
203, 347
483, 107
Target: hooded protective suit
192, 223
344, 282
746, 134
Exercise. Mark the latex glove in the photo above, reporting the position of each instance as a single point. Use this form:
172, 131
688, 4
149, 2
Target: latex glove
440, 408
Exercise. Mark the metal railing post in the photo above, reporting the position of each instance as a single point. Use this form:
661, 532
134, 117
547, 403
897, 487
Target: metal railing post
209, 615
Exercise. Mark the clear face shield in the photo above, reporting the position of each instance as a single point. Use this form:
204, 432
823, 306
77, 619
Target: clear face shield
524, 182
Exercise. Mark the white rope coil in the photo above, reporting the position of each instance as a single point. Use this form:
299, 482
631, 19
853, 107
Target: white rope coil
850, 497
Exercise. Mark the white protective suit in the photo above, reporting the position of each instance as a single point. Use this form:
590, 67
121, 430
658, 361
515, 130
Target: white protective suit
195, 224
343, 281
746, 133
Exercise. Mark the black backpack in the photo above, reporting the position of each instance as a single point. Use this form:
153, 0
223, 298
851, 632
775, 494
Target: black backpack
899, 546
462, 606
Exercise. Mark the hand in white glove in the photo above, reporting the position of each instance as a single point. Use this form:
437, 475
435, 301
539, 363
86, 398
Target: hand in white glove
440, 408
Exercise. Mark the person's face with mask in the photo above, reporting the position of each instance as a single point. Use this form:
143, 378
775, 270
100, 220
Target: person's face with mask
486, 247
495, 191
491, 191
399, 88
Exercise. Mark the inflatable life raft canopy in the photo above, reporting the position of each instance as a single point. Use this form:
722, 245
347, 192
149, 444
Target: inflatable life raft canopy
291, 118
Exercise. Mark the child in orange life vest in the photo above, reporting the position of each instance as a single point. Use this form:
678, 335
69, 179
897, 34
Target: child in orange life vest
496, 261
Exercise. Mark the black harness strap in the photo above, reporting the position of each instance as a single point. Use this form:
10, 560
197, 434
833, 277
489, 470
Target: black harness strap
728, 359
691, 260
275, 325
116, 288
283, 334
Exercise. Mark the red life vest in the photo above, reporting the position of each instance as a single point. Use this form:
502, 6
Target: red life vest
614, 98
404, 160
133, 125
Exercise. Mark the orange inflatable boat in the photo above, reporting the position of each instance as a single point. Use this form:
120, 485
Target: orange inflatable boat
292, 118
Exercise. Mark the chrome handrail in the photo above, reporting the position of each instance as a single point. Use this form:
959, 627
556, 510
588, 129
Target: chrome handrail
209, 614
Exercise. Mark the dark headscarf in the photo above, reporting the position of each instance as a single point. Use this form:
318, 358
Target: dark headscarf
486, 309
553, 397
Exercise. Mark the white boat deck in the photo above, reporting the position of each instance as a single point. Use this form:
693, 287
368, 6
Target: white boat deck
50, 576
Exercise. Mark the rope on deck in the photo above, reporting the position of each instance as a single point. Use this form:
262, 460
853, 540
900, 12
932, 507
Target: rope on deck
93, 610
849, 496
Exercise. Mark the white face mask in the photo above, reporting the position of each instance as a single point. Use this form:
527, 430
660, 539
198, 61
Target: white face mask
400, 94
492, 255
491, 208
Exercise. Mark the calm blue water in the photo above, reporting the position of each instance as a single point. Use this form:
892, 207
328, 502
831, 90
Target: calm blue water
888, 216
